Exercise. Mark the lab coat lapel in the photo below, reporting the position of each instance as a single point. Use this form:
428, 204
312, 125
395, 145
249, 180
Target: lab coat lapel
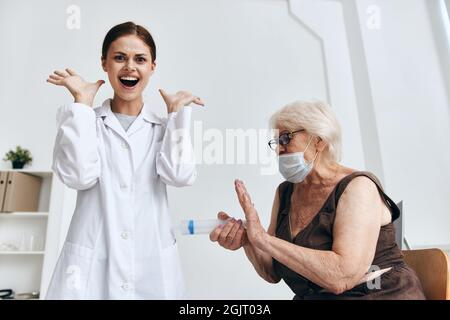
146, 117
137, 124
111, 120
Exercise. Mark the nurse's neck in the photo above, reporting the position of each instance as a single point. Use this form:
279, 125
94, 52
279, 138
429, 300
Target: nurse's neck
131, 108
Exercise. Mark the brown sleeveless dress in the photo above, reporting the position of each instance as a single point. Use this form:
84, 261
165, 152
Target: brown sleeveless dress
400, 282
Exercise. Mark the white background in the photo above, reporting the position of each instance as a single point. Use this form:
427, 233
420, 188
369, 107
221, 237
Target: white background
247, 59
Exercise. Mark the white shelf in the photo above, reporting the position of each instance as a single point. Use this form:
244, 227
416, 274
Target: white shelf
21, 252
26, 271
23, 214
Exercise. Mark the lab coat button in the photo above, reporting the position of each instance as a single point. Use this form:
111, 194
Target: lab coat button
124, 145
125, 235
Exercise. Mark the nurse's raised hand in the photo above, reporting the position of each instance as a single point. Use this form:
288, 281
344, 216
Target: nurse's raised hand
232, 235
81, 90
175, 102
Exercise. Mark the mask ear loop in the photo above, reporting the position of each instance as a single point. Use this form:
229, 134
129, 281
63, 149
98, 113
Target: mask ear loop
317, 152
308, 144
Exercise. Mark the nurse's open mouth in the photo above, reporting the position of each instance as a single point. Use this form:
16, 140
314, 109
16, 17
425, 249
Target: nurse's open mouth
129, 81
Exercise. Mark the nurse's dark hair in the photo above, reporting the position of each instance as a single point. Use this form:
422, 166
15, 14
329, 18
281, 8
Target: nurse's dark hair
125, 29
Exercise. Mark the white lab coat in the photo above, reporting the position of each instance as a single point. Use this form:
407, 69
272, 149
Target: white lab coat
120, 243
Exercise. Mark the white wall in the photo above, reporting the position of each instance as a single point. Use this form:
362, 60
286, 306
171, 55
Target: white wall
412, 115
246, 59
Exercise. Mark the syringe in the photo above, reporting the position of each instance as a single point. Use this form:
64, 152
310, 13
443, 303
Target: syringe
201, 226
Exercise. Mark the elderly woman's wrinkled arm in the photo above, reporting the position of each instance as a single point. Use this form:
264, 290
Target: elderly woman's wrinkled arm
233, 236
355, 236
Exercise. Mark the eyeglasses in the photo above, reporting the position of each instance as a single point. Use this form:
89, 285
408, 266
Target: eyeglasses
283, 139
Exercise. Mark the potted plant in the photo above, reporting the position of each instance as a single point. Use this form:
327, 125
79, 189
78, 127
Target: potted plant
19, 158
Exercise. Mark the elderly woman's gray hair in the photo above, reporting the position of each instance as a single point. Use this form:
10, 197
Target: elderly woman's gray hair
317, 118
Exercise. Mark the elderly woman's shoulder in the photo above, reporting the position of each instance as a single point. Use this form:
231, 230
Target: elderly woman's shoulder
362, 180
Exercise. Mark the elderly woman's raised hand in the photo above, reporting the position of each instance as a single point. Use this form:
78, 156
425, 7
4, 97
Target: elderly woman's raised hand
230, 236
256, 234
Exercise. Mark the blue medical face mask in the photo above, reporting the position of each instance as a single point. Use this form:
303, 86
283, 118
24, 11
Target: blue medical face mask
293, 166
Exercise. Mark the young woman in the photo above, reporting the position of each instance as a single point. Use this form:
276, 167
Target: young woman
120, 157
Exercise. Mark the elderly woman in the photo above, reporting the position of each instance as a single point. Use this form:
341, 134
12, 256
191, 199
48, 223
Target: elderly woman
330, 224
